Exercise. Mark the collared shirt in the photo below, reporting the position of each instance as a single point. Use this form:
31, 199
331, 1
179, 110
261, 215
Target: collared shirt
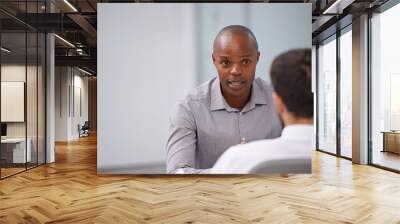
295, 142
203, 125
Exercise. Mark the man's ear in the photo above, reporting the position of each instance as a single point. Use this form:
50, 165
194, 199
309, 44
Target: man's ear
258, 55
280, 107
214, 61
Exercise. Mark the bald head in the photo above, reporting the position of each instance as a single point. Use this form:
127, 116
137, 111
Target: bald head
235, 33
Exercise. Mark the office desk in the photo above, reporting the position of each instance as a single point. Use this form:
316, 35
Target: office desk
391, 141
13, 150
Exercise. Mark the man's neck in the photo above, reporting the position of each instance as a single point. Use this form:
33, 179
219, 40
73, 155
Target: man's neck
237, 102
289, 119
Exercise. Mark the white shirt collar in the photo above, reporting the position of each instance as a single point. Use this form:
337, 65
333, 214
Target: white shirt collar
298, 132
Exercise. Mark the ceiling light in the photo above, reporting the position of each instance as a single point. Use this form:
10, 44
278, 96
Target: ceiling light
70, 5
329, 9
338, 6
84, 71
64, 40
79, 51
5, 50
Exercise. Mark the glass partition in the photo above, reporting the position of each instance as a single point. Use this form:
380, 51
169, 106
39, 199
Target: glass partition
22, 63
327, 95
13, 110
32, 95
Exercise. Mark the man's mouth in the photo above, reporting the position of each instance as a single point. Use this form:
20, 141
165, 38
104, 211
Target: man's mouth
236, 84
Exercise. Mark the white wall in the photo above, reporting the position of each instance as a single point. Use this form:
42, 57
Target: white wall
67, 80
151, 55
61, 103
79, 117
15, 73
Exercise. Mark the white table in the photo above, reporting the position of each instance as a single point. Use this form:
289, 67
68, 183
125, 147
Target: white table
18, 145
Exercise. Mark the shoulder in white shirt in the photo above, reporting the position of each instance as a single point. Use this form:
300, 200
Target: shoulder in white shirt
295, 142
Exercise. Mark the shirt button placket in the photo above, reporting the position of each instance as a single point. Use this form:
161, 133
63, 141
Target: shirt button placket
242, 138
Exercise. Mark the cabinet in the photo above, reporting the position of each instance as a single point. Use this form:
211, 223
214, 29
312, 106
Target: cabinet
391, 141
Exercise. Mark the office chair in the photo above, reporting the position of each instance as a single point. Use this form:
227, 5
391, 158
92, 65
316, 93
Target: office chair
84, 130
283, 166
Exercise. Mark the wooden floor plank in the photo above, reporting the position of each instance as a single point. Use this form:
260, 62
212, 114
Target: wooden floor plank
70, 191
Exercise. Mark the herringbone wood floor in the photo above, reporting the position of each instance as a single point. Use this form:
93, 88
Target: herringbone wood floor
70, 191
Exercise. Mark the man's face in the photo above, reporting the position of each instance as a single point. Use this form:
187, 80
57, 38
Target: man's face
235, 58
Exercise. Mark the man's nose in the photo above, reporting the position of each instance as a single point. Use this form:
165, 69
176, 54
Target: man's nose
236, 70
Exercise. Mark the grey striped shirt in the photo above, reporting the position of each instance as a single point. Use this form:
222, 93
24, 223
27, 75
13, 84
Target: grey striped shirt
203, 125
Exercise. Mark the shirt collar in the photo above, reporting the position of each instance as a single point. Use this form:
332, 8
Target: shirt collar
218, 101
298, 132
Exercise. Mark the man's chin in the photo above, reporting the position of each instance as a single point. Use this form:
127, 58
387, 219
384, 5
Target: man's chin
237, 92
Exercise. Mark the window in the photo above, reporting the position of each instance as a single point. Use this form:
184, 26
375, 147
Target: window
346, 92
327, 96
385, 89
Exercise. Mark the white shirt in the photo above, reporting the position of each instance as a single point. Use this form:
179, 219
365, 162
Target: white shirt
295, 142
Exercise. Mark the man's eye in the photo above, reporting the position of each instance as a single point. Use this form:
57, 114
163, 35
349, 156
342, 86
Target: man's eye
225, 62
245, 61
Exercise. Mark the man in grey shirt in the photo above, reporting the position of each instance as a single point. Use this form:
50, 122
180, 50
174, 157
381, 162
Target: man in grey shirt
233, 108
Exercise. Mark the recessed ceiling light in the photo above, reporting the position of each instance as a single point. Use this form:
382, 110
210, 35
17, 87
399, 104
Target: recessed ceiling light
5, 50
84, 71
337, 7
64, 40
70, 5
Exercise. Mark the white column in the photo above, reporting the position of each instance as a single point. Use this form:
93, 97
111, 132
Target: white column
50, 92
50, 100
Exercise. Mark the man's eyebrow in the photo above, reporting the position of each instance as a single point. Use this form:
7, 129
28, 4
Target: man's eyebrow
245, 56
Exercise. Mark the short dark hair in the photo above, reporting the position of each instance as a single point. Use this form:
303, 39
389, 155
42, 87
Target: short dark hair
291, 80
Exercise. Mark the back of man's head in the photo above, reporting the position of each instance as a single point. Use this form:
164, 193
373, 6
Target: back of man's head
291, 80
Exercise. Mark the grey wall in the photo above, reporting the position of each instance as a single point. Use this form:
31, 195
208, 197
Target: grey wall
151, 55
146, 61
277, 27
